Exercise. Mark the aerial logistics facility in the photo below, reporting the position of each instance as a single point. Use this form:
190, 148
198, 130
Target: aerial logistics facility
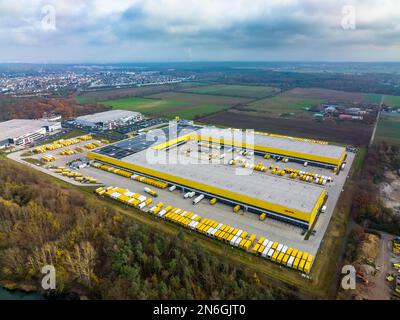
108, 120
19, 132
280, 198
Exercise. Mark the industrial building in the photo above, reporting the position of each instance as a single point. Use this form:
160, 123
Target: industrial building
281, 198
24, 131
297, 149
109, 120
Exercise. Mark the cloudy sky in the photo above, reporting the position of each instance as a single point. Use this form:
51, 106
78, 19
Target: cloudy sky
199, 30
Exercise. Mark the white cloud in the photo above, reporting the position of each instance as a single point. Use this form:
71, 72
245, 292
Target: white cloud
233, 24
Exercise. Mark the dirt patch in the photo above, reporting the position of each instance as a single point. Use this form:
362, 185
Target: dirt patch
368, 251
326, 94
390, 192
344, 132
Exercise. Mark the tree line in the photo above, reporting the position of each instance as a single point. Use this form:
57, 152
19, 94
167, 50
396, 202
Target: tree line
35, 108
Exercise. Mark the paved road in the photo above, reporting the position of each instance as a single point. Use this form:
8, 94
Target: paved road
377, 120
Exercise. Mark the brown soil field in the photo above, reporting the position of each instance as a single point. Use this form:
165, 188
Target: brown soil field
342, 132
326, 94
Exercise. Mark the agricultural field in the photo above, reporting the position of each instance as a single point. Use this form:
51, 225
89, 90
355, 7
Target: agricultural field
235, 90
388, 130
373, 98
142, 104
130, 92
392, 101
196, 99
165, 108
284, 105
325, 94
342, 132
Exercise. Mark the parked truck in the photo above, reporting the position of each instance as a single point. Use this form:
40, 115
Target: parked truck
198, 199
150, 192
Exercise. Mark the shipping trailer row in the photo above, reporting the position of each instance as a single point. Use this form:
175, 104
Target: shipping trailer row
292, 258
75, 175
48, 158
125, 196
61, 143
284, 255
130, 175
293, 173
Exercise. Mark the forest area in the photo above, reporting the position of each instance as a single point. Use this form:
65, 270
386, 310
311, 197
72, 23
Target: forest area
35, 108
368, 208
100, 253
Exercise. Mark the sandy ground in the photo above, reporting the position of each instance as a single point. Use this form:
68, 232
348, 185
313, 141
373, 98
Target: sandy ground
390, 192
379, 288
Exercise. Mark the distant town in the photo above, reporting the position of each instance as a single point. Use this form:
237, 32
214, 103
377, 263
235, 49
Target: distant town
80, 78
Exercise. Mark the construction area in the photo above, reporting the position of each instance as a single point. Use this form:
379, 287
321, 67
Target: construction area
270, 195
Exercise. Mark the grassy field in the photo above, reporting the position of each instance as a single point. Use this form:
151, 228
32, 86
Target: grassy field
197, 111
388, 130
142, 104
85, 99
282, 105
165, 108
234, 90
196, 99
373, 98
392, 101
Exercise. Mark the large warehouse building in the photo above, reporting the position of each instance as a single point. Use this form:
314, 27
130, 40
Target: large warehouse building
255, 192
24, 131
109, 119
303, 150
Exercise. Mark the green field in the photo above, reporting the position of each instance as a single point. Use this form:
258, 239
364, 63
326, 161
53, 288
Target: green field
199, 111
388, 130
142, 104
392, 101
165, 108
85, 99
284, 105
196, 99
373, 98
234, 90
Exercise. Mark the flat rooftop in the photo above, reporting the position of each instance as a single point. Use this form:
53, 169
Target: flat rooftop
285, 143
302, 197
276, 190
105, 116
141, 142
18, 127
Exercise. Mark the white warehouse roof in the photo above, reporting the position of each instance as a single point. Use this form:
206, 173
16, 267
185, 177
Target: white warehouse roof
16, 128
107, 116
